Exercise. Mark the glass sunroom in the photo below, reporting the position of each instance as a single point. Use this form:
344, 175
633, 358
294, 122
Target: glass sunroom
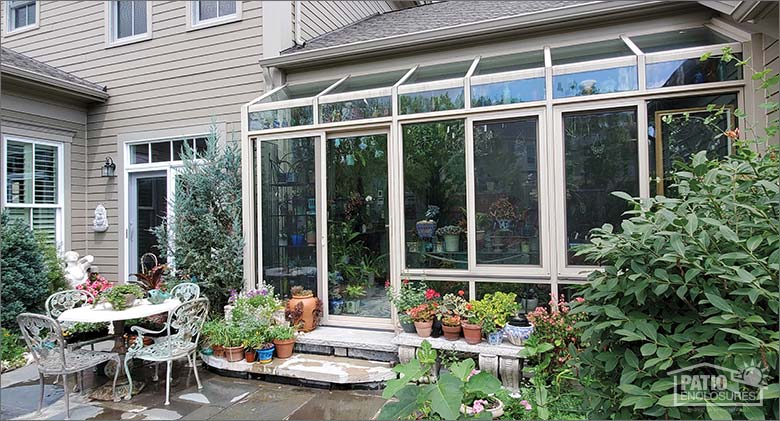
478, 174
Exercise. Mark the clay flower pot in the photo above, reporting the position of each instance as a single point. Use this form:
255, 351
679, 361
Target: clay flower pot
424, 328
219, 351
472, 333
250, 355
234, 353
451, 333
284, 348
307, 305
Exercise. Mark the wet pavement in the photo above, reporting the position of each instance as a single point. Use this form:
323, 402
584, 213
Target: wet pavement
222, 398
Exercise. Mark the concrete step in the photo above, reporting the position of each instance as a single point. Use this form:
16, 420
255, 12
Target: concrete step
375, 345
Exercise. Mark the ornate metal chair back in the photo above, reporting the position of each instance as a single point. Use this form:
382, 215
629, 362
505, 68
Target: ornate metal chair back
62, 301
186, 321
44, 339
186, 291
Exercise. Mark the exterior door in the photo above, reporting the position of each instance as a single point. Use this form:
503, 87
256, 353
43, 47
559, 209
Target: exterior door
148, 205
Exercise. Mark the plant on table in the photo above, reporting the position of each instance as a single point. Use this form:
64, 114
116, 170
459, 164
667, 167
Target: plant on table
422, 316
472, 318
352, 295
152, 279
121, 296
496, 309
461, 393
95, 285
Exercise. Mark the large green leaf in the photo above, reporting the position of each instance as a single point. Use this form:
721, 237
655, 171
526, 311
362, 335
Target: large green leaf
483, 383
445, 395
408, 372
717, 413
462, 369
404, 407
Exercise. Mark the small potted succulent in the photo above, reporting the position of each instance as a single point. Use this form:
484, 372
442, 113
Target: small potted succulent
426, 227
423, 316
503, 212
284, 340
122, 296
451, 236
352, 294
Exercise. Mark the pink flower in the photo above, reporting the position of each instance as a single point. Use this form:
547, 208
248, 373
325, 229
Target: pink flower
526, 405
580, 299
474, 372
479, 405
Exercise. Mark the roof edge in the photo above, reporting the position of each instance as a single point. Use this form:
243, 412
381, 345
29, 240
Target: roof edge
73, 88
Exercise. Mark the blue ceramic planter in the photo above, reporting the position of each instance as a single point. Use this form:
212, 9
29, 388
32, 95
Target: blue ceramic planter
495, 338
517, 334
265, 356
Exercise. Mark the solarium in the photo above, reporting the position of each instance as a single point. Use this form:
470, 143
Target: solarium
518, 151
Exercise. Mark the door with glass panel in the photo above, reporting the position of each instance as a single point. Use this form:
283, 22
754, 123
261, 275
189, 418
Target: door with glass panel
147, 207
357, 226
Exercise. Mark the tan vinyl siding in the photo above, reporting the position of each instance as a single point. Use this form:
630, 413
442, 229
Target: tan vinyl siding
771, 49
319, 17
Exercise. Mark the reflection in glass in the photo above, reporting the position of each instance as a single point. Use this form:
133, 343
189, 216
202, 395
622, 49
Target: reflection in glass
285, 117
448, 287
372, 81
439, 72
506, 198
288, 214
511, 62
692, 71
677, 130
510, 92
139, 154
161, 151
435, 194
529, 296
675, 40
429, 101
592, 51
152, 207
594, 82
601, 157
357, 226
356, 109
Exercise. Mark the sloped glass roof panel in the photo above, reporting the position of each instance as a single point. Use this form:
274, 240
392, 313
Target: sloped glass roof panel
439, 72
675, 40
372, 81
591, 51
303, 90
511, 62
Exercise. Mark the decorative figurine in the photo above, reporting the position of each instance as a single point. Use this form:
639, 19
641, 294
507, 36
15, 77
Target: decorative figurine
100, 224
77, 269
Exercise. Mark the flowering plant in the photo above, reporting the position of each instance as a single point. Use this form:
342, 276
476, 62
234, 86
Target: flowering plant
449, 230
502, 209
423, 312
255, 305
409, 295
557, 327
452, 308
431, 294
95, 285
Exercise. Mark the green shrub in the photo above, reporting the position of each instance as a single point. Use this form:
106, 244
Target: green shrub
12, 349
25, 284
55, 271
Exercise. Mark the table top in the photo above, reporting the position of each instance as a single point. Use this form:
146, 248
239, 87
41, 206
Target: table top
105, 313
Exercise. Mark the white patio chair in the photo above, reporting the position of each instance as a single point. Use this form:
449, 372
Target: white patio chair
183, 331
59, 302
43, 336
186, 291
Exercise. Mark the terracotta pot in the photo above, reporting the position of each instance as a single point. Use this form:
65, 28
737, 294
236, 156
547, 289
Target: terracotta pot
219, 351
284, 348
234, 353
451, 333
307, 305
472, 333
250, 355
424, 328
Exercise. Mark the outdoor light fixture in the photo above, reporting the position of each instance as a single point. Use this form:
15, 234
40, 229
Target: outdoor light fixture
109, 168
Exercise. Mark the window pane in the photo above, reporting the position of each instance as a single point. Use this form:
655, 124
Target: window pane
19, 214
434, 179
178, 150
692, 71
20, 17
124, 16
372, 81
592, 51
677, 131
510, 92
45, 222
601, 157
674, 40
139, 21
31, 13
227, 7
448, 287
356, 109
594, 82
201, 144
287, 177
285, 117
428, 101
207, 9
45, 174
358, 243
19, 172
302, 90
139, 154
508, 63
161, 151
507, 201
529, 296
439, 72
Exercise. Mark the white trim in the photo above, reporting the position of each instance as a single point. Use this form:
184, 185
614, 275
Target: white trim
507, 76
111, 28
346, 96
693, 52
194, 23
431, 86
7, 24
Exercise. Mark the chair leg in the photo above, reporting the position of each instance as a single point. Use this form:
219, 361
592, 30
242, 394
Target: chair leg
169, 363
129, 378
40, 402
116, 376
81, 382
66, 392
156, 369
194, 363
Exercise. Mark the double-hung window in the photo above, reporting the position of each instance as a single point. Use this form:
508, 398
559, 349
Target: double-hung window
33, 185
129, 21
21, 14
213, 12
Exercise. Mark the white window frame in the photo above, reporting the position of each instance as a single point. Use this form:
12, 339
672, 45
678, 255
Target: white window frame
9, 17
194, 22
59, 206
111, 27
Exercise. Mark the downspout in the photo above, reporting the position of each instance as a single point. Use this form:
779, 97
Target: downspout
86, 183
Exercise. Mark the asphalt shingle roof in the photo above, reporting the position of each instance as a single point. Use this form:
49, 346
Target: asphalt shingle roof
426, 17
11, 58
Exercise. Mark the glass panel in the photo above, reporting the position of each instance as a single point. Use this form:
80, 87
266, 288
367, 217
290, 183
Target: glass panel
45, 222
303, 90
285, 117
227, 7
161, 151
448, 287
139, 18
435, 194
683, 132
529, 296
31, 13
601, 157
592, 51
507, 192
207, 9
439, 72
201, 144
429, 101
357, 225
356, 109
692, 71
510, 92
124, 18
594, 82
19, 172
20, 17
139, 154
19, 214
508, 63
373, 81
288, 193
675, 40
45, 174
178, 150
152, 207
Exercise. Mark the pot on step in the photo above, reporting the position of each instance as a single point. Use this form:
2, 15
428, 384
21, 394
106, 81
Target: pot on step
284, 348
424, 328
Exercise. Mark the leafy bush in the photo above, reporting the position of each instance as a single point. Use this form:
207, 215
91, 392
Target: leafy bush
688, 280
25, 283
555, 331
55, 271
205, 235
12, 349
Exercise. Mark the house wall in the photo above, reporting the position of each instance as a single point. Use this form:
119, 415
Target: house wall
319, 17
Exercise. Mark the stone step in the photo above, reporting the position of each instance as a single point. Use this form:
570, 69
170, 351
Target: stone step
376, 345
321, 369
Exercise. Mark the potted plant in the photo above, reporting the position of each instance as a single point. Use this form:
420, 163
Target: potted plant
426, 227
471, 322
122, 296
214, 331
449, 313
335, 299
352, 294
233, 342
497, 309
253, 336
302, 307
409, 295
451, 236
503, 212
284, 340
265, 349
153, 279
423, 315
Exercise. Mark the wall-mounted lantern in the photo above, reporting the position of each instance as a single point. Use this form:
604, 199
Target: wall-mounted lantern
109, 168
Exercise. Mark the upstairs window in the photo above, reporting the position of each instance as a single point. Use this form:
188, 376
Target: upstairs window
212, 12
129, 21
21, 14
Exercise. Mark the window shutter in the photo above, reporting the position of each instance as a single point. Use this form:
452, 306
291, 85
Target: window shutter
45, 174
45, 222
19, 172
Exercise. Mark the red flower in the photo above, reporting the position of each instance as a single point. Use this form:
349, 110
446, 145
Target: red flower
461, 292
431, 294
468, 306
387, 283
580, 299
405, 281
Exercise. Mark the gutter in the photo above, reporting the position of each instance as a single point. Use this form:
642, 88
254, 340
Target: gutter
92, 94
599, 9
